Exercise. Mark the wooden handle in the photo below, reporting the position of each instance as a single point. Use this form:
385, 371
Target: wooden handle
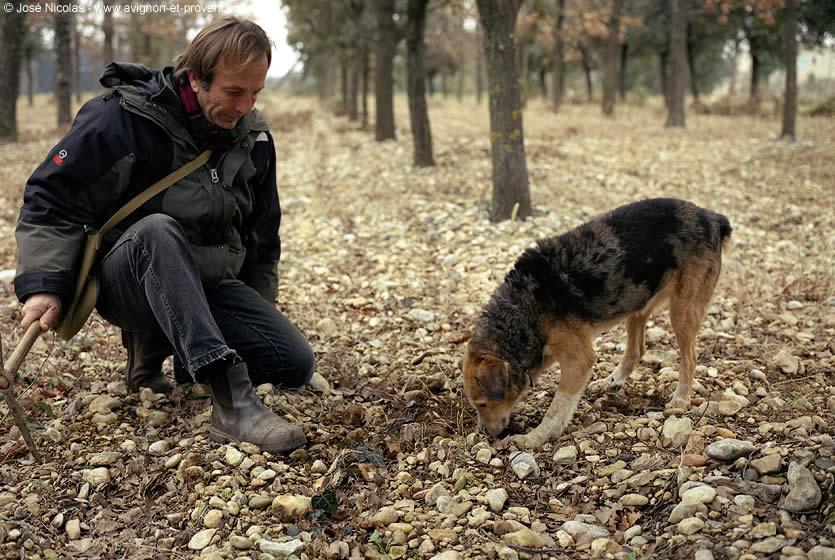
19, 354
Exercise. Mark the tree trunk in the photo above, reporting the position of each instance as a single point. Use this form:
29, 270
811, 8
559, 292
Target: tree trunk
585, 59
611, 76
678, 62
76, 57
543, 82
353, 91
383, 72
732, 90
63, 66
107, 29
12, 33
418, 113
663, 76
29, 61
444, 83
691, 66
459, 89
343, 84
507, 142
624, 52
558, 58
755, 76
365, 71
790, 50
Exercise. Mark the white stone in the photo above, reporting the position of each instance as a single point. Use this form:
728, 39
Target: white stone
700, 494
566, 454
201, 539
496, 499
96, 476
160, 447
280, 549
690, 526
524, 465
676, 431
233, 456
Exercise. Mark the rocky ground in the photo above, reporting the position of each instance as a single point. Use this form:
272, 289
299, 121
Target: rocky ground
385, 268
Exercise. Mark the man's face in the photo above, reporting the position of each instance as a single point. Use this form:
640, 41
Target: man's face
232, 93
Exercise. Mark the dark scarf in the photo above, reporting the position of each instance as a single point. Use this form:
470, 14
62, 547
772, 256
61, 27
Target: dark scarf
206, 135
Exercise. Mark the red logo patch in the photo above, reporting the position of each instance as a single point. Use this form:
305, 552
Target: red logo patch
59, 157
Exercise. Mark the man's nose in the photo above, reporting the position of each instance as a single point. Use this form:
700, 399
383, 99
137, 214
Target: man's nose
245, 105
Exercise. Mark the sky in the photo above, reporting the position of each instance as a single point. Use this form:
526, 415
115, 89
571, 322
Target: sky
270, 15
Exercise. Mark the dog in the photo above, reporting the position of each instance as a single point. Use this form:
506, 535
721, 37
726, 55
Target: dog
565, 291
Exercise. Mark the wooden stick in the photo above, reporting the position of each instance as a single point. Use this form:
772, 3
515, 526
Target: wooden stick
7, 383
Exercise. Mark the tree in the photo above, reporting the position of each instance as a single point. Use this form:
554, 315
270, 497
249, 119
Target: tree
558, 56
418, 113
790, 49
13, 31
678, 62
510, 172
610, 79
63, 64
384, 71
107, 29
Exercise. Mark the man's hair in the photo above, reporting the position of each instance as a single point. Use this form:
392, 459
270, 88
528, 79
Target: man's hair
237, 41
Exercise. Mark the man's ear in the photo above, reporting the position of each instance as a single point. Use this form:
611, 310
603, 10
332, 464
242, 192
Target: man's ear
493, 376
193, 81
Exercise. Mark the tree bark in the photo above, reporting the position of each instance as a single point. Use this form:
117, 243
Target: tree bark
678, 62
416, 75
558, 58
353, 91
691, 66
366, 68
383, 72
522, 49
611, 76
624, 56
664, 76
343, 84
28, 62
63, 66
107, 29
13, 33
585, 60
790, 52
755, 77
510, 172
76, 57
733, 67
543, 82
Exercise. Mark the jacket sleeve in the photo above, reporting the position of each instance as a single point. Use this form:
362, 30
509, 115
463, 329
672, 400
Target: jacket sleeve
78, 185
264, 246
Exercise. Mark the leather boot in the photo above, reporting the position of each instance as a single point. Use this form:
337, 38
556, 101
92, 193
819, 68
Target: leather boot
238, 414
146, 352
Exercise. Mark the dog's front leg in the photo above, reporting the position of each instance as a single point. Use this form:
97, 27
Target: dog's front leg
553, 423
575, 363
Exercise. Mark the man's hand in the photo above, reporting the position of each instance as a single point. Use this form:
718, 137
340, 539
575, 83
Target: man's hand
43, 307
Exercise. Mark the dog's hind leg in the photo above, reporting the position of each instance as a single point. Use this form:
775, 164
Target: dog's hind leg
688, 305
635, 348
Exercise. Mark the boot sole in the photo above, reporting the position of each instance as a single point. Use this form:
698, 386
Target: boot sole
220, 436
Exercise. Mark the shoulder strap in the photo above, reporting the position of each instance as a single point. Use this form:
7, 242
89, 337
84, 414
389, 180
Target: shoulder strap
154, 190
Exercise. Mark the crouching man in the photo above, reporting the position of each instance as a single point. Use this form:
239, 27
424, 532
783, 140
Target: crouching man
192, 271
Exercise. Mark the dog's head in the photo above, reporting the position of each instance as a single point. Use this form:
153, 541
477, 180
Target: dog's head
492, 387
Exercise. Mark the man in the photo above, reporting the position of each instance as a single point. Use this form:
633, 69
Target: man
194, 269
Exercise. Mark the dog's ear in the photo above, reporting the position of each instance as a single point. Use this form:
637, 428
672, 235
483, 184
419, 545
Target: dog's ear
493, 376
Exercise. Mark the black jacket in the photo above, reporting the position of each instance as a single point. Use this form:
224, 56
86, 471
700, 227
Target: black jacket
119, 144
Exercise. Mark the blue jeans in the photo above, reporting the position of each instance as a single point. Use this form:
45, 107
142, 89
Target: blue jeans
149, 283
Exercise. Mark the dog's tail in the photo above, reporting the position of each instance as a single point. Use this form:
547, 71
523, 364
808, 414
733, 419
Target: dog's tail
725, 231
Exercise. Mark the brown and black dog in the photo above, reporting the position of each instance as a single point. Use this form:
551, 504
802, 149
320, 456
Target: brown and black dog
568, 289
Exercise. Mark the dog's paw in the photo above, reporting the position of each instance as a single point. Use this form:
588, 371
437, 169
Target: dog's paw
531, 440
607, 384
678, 403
